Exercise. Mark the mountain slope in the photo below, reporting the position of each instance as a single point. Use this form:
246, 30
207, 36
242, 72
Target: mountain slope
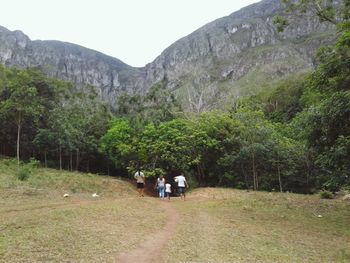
240, 50
232, 56
69, 62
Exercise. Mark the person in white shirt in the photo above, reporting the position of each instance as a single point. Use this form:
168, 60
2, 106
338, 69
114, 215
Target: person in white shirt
168, 190
181, 184
140, 181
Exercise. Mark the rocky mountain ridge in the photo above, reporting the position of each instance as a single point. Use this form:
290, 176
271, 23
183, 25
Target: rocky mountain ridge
229, 57
70, 62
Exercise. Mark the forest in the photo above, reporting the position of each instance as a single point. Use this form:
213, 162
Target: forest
292, 136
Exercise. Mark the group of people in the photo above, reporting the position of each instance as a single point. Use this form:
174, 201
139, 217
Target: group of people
163, 187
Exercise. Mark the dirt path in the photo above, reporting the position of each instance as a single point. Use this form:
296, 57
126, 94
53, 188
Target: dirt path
151, 250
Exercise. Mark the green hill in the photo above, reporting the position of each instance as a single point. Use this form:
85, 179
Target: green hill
55, 183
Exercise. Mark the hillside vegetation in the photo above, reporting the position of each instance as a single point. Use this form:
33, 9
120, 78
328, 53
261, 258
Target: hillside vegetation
54, 182
289, 135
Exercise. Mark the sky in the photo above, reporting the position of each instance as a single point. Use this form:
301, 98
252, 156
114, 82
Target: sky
134, 31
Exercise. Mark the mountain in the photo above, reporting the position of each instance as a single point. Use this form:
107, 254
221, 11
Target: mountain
238, 54
70, 62
233, 56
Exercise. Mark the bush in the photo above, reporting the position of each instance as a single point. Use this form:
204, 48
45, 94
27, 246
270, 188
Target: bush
192, 182
345, 189
154, 173
10, 162
33, 163
23, 173
241, 185
324, 194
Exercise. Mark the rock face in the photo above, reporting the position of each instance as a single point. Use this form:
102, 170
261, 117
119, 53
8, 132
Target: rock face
70, 62
238, 54
232, 56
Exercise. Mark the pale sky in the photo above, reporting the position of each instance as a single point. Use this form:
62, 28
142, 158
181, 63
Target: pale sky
134, 31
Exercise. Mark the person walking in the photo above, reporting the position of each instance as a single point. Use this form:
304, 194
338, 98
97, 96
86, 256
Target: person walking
160, 185
181, 185
168, 190
140, 181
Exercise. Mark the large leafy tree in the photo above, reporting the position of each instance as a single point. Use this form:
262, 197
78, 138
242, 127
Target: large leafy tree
118, 143
74, 126
20, 100
326, 118
210, 132
287, 159
167, 144
330, 118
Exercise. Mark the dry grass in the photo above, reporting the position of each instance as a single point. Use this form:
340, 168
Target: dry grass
222, 225
216, 225
38, 225
87, 232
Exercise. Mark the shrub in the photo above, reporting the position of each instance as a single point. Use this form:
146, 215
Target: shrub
23, 173
324, 194
10, 162
193, 183
241, 185
345, 189
154, 173
33, 163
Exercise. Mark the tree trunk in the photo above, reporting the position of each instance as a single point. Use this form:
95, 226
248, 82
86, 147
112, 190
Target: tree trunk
71, 160
45, 158
279, 171
199, 177
202, 172
19, 127
245, 178
279, 177
60, 153
255, 177
308, 170
77, 161
155, 162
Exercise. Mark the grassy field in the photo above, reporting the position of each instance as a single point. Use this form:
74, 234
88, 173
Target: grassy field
214, 225
223, 225
37, 224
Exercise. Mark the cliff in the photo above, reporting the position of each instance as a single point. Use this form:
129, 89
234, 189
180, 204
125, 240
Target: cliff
233, 56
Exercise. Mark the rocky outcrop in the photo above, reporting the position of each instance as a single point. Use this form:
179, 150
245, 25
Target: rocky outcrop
240, 50
233, 55
70, 62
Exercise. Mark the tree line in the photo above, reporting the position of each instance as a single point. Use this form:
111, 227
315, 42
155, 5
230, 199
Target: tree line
293, 136
50, 120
